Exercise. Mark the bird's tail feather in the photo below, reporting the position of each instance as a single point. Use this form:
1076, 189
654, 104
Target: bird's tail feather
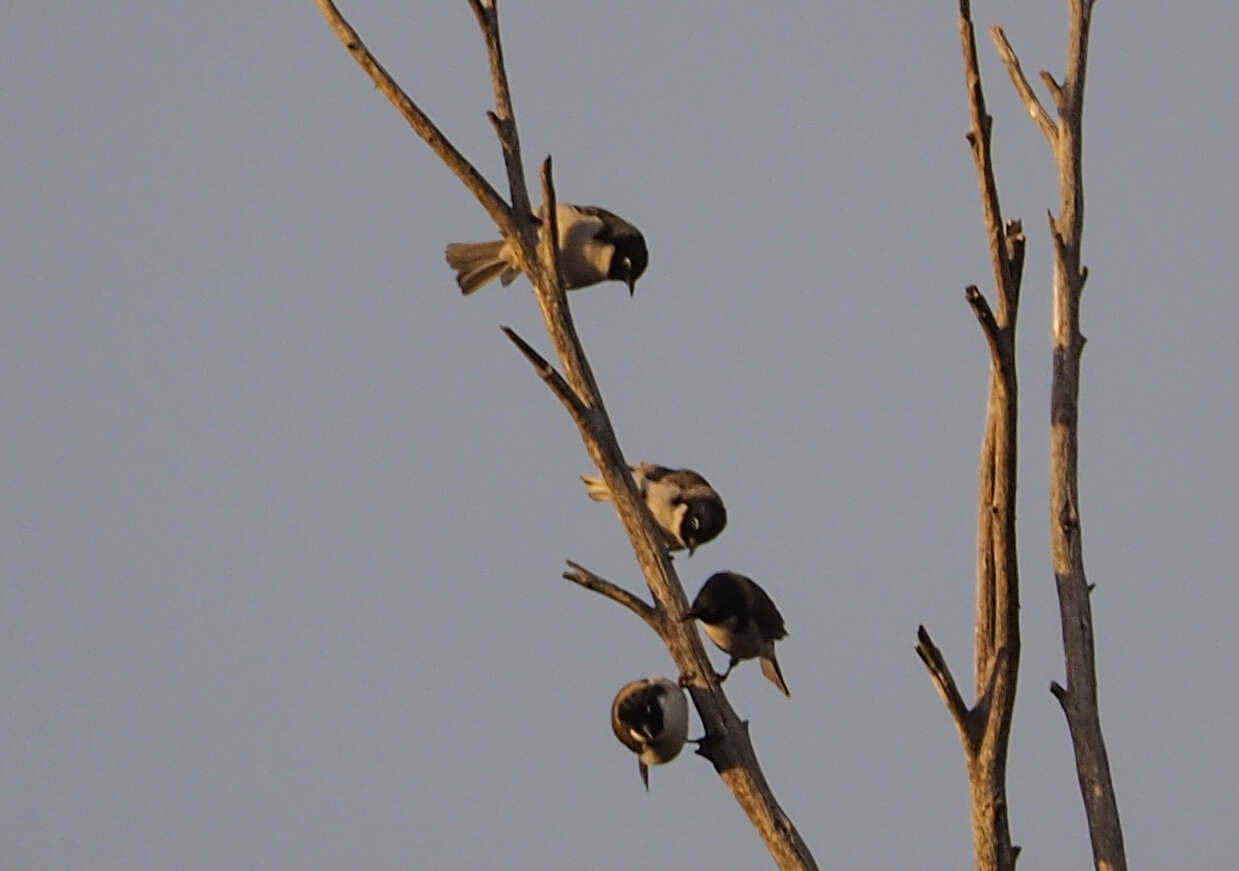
770, 668
477, 263
597, 489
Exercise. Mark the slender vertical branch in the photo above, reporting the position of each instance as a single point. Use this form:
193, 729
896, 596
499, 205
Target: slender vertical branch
487, 14
985, 727
1079, 697
979, 139
727, 743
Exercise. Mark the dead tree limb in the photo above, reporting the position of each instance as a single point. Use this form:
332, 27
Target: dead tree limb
727, 743
1079, 697
583, 577
985, 728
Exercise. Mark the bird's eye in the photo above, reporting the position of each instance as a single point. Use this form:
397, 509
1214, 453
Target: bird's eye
626, 264
693, 523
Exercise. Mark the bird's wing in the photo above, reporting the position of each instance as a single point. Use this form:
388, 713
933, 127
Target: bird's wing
650, 471
611, 225
578, 222
689, 484
767, 617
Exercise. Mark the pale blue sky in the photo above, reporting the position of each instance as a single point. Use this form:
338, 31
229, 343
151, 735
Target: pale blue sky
285, 515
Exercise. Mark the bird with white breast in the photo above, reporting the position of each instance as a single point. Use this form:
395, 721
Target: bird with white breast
594, 246
684, 505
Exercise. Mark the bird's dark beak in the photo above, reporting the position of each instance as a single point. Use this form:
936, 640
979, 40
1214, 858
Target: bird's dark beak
632, 286
645, 774
692, 546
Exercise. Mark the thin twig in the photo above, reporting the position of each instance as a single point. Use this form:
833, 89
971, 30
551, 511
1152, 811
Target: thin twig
488, 21
943, 681
985, 317
550, 235
979, 139
590, 581
1035, 110
555, 381
1055, 89
419, 121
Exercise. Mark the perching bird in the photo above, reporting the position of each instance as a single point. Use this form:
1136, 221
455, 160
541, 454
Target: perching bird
650, 718
683, 503
741, 619
594, 245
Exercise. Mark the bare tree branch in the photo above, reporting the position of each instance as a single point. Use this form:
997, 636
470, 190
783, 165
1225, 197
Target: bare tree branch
997, 567
584, 577
1079, 697
1035, 110
555, 381
1056, 91
979, 138
419, 121
727, 743
985, 728
944, 683
504, 118
550, 239
985, 317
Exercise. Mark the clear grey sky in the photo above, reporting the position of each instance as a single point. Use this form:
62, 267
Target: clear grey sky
284, 515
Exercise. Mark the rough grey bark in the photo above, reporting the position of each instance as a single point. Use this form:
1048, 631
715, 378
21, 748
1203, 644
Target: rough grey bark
726, 742
1079, 698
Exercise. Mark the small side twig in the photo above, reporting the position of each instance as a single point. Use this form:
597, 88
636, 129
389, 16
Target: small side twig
550, 236
1035, 110
984, 728
1055, 89
585, 578
985, 317
943, 681
562, 390
979, 138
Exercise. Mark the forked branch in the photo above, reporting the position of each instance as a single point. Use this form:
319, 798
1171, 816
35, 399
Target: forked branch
984, 728
1035, 110
419, 120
